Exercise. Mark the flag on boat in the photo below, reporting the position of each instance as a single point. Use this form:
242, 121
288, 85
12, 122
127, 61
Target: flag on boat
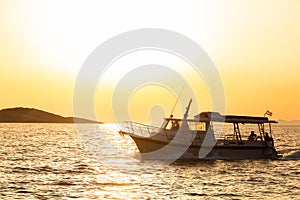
268, 113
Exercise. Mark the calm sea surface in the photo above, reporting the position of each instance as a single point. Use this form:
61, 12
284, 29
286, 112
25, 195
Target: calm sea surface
53, 161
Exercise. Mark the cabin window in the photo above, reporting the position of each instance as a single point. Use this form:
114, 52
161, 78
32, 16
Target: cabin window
197, 126
173, 125
201, 126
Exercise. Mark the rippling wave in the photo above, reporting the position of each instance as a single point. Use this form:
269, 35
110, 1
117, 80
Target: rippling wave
48, 161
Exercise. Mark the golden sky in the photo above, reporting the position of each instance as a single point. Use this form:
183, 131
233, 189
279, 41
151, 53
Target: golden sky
255, 46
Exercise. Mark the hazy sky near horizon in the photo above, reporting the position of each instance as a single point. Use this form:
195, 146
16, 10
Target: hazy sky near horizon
255, 46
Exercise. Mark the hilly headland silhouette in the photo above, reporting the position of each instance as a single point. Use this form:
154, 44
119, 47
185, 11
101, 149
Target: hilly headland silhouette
32, 115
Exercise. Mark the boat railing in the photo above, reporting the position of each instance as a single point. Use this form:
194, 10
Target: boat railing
141, 129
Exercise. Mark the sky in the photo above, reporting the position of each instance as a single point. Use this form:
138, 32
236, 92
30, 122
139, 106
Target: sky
255, 46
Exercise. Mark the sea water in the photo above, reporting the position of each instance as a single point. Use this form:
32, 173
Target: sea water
56, 161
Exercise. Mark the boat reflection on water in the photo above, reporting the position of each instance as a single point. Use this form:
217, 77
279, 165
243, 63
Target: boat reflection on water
190, 137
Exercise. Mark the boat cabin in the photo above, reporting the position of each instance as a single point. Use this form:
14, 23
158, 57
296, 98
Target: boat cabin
209, 120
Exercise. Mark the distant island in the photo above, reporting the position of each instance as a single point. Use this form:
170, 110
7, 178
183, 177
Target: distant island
31, 115
289, 123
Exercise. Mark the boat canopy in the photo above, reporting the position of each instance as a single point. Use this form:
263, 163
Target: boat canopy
217, 117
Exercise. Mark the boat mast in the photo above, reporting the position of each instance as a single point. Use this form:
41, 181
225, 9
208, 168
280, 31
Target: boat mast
187, 110
184, 125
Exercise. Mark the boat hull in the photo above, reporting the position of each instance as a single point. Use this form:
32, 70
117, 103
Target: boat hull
150, 149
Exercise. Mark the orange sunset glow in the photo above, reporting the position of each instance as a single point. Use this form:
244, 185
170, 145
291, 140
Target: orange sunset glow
255, 46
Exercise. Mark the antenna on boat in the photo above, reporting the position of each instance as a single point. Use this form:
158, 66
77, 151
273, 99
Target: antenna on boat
171, 115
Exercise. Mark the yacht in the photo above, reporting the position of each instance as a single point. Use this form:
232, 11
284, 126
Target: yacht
209, 135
